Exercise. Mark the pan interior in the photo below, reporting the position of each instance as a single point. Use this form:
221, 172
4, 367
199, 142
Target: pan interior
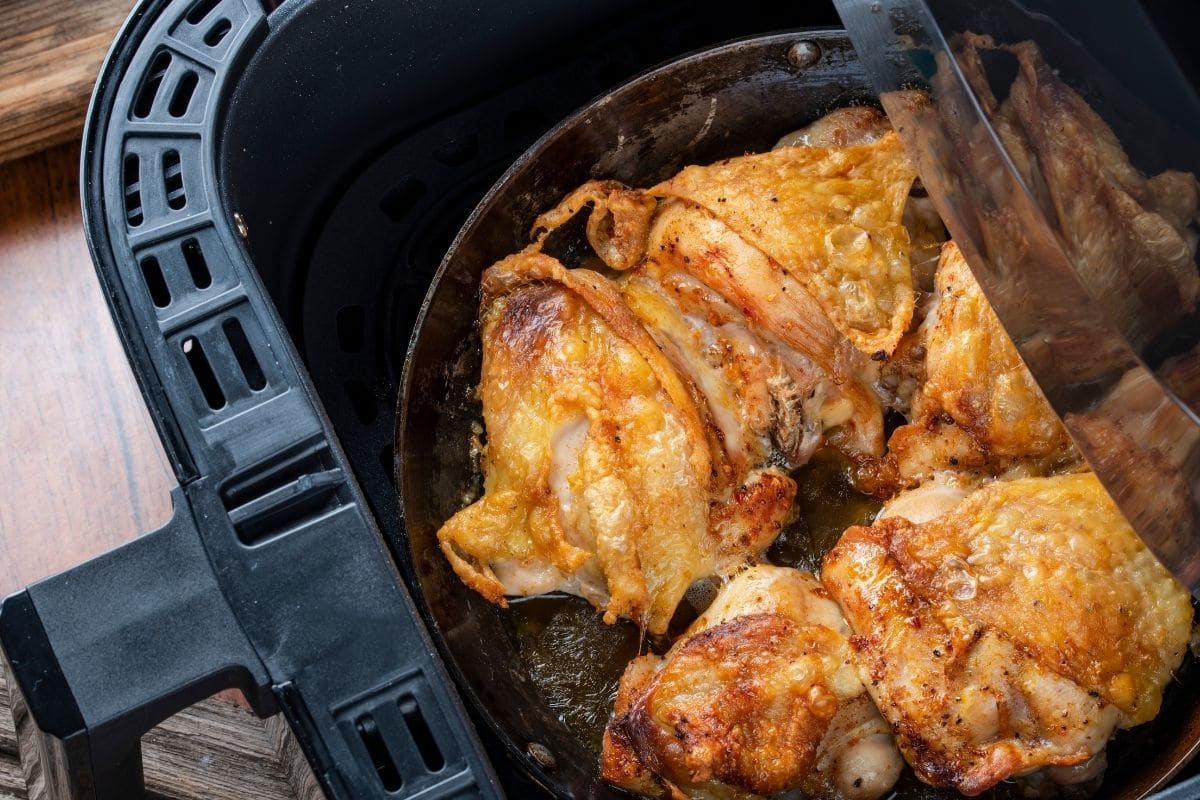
735, 99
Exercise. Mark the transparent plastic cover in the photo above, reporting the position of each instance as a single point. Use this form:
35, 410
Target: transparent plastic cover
1060, 144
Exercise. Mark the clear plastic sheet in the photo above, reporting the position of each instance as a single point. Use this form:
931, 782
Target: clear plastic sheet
1059, 141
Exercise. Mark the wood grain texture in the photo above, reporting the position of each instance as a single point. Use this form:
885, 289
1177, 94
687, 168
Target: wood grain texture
211, 751
50, 54
84, 472
296, 769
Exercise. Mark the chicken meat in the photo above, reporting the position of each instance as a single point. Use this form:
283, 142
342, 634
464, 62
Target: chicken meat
776, 375
1012, 631
978, 411
597, 469
829, 217
1131, 237
757, 697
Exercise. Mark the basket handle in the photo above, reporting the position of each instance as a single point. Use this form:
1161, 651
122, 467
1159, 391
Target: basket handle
101, 653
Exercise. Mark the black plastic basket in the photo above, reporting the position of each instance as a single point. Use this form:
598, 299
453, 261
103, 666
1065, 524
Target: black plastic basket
275, 409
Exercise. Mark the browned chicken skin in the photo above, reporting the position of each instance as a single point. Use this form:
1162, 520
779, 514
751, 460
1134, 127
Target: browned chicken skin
832, 218
1011, 633
758, 696
1126, 233
774, 373
597, 471
978, 411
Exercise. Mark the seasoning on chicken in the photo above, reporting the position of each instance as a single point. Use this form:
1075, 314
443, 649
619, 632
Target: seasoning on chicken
757, 697
979, 410
597, 469
831, 218
1012, 633
774, 372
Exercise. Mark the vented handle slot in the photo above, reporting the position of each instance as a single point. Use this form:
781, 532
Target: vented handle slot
285, 493
288, 507
396, 732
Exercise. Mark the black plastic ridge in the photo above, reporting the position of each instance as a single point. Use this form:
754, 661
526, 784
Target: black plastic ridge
271, 576
33, 665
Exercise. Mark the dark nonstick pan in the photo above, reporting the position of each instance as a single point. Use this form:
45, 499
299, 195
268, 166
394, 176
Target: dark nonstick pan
722, 102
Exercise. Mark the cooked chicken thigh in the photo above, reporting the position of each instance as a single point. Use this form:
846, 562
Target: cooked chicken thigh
1015, 631
829, 218
768, 280
776, 375
642, 419
978, 410
597, 469
758, 696
1127, 234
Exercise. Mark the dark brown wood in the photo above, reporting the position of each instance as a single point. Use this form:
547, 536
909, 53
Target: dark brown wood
84, 472
50, 54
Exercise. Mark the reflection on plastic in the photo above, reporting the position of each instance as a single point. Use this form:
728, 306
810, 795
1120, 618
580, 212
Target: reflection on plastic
1037, 159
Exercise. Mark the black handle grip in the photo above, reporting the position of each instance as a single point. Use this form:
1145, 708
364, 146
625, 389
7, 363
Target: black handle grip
105, 651
312, 623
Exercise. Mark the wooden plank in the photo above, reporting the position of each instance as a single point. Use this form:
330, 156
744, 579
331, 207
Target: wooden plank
213, 750
8, 729
12, 782
50, 54
295, 766
84, 469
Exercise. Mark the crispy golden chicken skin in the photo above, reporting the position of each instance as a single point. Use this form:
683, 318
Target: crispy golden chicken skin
757, 697
978, 409
768, 280
832, 218
597, 470
1013, 632
776, 375
841, 127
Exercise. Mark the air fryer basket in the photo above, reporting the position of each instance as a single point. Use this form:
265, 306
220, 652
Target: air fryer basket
267, 193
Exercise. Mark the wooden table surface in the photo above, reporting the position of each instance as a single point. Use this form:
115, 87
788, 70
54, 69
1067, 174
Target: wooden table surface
83, 467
